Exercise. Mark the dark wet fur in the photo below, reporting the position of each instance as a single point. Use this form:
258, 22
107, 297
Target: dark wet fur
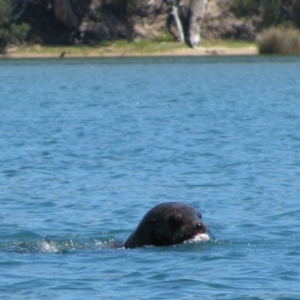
167, 224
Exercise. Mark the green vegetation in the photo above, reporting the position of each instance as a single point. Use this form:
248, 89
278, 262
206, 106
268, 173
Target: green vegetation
272, 12
122, 48
227, 43
279, 41
10, 32
280, 20
146, 46
118, 47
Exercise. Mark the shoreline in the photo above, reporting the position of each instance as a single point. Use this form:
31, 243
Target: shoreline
111, 52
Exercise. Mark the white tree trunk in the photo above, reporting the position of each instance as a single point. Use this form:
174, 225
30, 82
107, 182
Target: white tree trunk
197, 11
178, 24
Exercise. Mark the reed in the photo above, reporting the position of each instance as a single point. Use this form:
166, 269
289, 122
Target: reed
279, 41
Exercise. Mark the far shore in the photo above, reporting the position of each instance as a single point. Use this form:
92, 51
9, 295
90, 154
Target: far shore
132, 50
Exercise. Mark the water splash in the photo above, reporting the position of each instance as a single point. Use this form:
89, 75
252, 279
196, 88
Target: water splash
59, 245
48, 246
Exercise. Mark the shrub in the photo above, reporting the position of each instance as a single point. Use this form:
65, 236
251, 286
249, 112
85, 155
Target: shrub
279, 41
10, 32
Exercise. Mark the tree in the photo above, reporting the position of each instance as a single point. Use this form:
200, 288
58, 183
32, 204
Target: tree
196, 12
10, 32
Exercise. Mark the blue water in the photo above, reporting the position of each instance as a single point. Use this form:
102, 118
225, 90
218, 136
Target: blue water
88, 146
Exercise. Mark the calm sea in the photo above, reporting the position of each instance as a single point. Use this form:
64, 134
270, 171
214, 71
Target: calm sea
88, 146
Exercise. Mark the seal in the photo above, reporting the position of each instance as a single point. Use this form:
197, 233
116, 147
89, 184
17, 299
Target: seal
167, 224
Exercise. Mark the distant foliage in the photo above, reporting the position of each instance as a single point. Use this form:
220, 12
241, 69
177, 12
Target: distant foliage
244, 8
5, 12
272, 12
10, 32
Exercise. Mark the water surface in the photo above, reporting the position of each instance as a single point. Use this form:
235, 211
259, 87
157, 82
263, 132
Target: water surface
88, 146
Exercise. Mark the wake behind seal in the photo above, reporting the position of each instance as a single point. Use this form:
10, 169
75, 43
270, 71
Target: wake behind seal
167, 224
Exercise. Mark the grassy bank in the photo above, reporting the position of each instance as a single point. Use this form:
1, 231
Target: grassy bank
137, 48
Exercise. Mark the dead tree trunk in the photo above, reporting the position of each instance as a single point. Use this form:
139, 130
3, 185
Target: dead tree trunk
196, 13
174, 12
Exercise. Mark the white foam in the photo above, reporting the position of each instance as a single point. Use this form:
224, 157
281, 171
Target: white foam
201, 237
48, 246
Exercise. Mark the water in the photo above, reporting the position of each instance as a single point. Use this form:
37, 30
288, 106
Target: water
88, 146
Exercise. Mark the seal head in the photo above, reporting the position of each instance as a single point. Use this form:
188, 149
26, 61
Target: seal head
167, 224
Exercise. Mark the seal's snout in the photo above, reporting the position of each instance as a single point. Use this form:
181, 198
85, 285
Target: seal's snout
200, 227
